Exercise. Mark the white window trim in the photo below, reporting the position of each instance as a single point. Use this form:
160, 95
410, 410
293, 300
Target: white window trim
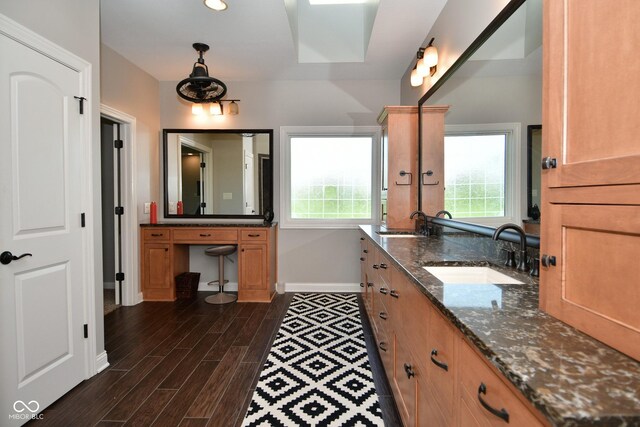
286, 133
513, 172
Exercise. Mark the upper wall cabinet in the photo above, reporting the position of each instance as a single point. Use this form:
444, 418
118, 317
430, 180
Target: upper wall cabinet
590, 243
592, 88
399, 165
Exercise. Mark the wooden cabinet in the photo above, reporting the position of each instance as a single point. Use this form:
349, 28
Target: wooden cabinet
399, 164
165, 254
432, 173
433, 372
156, 271
487, 399
591, 192
252, 267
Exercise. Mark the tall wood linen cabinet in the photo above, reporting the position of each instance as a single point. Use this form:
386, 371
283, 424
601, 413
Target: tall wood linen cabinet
399, 165
590, 234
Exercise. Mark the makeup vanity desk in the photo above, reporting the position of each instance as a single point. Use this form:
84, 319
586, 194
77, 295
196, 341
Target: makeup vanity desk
164, 254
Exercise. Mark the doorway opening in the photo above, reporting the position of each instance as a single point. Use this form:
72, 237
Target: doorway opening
112, 212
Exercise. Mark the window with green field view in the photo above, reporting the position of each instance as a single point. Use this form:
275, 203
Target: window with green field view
474, 171
331, 177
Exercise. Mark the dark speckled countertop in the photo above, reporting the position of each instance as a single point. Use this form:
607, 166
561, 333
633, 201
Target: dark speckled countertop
209, 224
573, 379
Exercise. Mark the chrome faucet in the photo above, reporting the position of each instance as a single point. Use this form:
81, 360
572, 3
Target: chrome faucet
443, 213
424, 229
523, 263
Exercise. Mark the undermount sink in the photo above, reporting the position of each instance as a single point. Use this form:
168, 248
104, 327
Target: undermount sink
398, 233
454, 275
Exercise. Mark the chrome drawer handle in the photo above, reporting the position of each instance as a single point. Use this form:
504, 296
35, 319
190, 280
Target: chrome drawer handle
383, 315
394, 293
205, 235
157, 234
253, 235
383, 291
383, 346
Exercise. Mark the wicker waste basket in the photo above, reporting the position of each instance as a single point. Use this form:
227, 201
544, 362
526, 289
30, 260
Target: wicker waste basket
187, 285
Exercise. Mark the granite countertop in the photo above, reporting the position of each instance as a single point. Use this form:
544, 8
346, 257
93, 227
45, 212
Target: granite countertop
209, 224
571, 378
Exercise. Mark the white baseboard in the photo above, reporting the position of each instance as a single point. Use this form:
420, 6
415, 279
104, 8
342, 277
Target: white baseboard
229, 287
102, 362
109, 285
322, 287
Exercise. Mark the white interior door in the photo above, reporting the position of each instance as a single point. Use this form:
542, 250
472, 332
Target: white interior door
41, 296
249, 187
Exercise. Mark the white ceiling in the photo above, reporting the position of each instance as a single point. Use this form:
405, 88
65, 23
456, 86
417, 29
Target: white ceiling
252, 39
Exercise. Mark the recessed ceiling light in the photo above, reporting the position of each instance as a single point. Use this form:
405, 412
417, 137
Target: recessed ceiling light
218, 5
316, 2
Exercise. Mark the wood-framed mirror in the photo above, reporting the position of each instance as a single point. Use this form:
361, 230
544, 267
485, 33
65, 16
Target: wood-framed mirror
218, 173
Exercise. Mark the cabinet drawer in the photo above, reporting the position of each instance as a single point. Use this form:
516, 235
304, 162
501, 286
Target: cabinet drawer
258, 235
442, 364
405, 382
156, 234
478, 381
384, 268
206, 235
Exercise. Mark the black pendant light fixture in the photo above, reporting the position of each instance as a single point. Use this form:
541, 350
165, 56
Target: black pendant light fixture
199, 87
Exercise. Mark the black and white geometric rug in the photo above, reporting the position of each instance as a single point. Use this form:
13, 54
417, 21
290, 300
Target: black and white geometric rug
317, 372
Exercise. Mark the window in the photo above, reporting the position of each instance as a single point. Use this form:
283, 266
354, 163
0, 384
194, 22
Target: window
481, 170
327, 177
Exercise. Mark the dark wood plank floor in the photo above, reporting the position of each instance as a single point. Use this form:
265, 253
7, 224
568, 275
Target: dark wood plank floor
185, 363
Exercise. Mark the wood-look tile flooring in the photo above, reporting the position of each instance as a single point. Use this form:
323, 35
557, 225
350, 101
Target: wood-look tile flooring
186, 363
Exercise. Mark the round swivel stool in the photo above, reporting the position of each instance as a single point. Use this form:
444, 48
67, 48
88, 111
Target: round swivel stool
221, 297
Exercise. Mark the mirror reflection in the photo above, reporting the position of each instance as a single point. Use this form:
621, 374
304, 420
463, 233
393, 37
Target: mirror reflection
211, 173
493, 98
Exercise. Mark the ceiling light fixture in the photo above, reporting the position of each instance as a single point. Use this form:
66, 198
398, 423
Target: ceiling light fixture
218, 5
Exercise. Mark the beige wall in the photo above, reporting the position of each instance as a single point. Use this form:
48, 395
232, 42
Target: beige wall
75, 26
457, 26
129, 89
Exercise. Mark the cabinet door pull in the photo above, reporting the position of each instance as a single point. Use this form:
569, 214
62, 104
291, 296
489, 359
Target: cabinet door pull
375, 266
436, 362
383, 291
383, 266
549, 163
362, 259
362, 285
383, 315
393, 293
205, 235
254, 235
157, 234
409, 370
382, 346
370, 285
365, 251
548, 260
362, 238
502, 413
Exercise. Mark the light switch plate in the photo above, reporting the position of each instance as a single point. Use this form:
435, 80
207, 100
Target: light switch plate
147, 207
227, 196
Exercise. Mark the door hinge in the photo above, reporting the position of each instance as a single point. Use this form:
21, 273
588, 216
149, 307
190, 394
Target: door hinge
119, 277
117, 143
203, 165
81, 99
82, 220
86, 330
119, 210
